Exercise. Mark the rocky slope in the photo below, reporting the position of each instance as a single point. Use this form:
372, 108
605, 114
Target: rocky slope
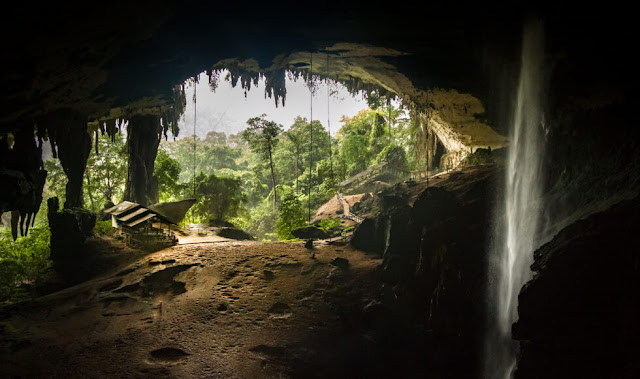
579, 315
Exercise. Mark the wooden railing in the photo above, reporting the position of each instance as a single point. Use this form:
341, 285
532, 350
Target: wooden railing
347, 211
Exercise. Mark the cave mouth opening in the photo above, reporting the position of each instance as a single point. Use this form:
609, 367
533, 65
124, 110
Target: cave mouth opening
219, 102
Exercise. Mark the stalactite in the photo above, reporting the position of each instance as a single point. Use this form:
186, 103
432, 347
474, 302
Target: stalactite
144, 133
68, 129
22, 178
275, 85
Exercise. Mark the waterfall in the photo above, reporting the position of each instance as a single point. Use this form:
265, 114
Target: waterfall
518, 215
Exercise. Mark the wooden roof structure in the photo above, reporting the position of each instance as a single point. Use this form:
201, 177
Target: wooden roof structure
131, 214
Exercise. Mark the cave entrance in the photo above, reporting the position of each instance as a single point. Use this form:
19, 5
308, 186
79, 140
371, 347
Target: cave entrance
212, 151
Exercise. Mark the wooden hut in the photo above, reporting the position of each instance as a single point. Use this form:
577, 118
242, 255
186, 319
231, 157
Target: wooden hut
148, 227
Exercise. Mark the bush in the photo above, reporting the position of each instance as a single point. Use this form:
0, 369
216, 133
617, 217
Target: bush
263, 221
329, 223
104, 228
23, 261
291, 216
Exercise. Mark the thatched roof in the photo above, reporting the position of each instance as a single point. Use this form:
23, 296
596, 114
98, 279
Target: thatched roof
173, 211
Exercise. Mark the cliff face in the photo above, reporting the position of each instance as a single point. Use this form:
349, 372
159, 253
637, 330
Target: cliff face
433, 241
579, 315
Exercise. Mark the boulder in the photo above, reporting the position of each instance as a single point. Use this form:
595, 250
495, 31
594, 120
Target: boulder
69, 230
234, 233
310, 232
368, 236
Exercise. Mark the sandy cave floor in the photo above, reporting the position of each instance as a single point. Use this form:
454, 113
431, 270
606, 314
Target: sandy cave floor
226, 309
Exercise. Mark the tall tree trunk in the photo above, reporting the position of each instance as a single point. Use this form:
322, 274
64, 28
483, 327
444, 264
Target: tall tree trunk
143, 139
273, 179
109, 191
297, 168
89, 191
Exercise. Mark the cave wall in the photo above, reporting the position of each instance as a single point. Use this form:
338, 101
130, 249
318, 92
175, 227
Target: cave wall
434, 252
578, 316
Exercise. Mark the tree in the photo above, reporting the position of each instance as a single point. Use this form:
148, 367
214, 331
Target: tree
394, 156
219, 198
296, 137
291, 216
105, 175
56, 183
167, 170
262, 137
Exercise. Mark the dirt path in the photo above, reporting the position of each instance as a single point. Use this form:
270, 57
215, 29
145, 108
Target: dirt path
221, 309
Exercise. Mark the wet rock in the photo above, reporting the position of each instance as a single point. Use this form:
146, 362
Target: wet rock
578, 316
309, 232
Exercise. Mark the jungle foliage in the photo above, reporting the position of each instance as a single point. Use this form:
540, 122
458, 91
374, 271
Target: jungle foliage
280, 177
267, 179
22, 263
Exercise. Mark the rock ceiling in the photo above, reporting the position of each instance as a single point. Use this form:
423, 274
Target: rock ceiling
127, 57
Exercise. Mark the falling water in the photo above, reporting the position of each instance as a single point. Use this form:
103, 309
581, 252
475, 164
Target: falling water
516, 232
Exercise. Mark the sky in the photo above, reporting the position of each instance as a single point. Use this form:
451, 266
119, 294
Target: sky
227, 110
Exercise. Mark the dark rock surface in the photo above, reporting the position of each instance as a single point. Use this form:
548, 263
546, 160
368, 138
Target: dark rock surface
579, 316
341, 263
69, 230
368, 236
433, 242
22, 179
310, 232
